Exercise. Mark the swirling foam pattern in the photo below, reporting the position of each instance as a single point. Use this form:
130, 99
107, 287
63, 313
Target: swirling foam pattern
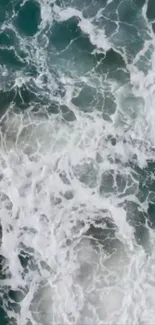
77, 162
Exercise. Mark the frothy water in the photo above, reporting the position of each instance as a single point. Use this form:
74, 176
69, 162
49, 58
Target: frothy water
77, 158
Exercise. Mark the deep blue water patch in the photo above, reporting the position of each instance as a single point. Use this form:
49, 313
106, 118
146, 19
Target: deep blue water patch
7, 37
63, 33
88, 98
21, 98
110, 61
3, 316
8, 57
28, 18
151, 10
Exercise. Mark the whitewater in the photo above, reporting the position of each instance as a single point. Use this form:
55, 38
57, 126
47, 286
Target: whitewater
77, 162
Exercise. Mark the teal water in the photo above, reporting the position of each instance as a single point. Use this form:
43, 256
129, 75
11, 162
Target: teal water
77, 157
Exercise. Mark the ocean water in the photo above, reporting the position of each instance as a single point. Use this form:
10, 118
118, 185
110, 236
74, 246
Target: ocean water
77, 162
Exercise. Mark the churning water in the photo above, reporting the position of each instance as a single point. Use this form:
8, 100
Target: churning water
77, 162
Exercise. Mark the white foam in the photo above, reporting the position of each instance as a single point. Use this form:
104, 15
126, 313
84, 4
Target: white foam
73, 281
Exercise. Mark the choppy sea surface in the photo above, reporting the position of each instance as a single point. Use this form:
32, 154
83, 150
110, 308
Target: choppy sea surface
77, 162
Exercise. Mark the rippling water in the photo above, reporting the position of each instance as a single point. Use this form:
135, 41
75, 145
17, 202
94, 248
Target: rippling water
77, 162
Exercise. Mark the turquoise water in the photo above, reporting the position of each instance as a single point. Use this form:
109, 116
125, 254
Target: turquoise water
77, 161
